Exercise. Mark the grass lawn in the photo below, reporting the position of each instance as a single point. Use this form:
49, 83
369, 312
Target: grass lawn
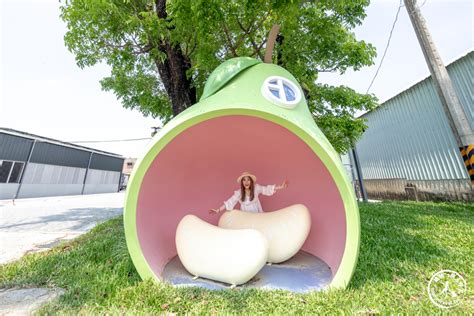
402, 245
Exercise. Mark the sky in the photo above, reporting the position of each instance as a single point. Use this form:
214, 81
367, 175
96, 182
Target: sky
44, 92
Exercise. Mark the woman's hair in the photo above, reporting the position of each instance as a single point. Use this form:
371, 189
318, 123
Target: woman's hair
242, 189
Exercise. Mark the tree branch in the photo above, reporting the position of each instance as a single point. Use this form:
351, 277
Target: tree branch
247, 31
229, 40
327, 69
194, 46
257, 48
251, 28
160, 7
136, 48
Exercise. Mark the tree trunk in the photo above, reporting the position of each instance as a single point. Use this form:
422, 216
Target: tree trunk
173, 75
173, 70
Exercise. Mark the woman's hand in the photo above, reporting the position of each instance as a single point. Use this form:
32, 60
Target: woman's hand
283, 185
214, 210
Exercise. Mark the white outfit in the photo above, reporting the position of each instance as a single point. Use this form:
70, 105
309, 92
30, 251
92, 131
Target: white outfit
250, 206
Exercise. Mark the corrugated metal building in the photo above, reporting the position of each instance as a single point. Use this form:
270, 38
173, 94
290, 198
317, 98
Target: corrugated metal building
35, 166
409, 151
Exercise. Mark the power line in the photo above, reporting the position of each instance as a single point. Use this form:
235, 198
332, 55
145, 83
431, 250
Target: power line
386, 47
155, 130
419, 6
108, 141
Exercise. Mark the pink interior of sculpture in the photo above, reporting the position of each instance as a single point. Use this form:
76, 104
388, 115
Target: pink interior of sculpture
197, 171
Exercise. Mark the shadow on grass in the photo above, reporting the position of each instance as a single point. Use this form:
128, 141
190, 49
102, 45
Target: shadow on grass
91, 268
395, 237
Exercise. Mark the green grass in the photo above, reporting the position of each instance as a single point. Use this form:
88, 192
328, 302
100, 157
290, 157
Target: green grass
403, 244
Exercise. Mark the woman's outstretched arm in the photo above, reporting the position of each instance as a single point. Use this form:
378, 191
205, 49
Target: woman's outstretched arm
270, 189
217, 210
228, 204
284, 185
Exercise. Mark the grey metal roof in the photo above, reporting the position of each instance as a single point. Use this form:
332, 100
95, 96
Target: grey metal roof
53, 154
467, 65
14, 147
54, 141
102, 162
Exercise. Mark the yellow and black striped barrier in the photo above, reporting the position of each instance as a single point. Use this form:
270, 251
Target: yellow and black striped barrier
467, 153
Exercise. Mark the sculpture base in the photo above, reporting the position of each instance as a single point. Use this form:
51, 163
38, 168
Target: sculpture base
301, 274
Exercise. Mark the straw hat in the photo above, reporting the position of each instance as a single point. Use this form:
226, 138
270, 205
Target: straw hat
246, 174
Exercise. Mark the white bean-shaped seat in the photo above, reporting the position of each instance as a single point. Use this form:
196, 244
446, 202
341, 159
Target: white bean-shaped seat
232, 256
286, 229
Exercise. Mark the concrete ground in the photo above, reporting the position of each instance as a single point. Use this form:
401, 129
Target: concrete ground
38, 224
25, 301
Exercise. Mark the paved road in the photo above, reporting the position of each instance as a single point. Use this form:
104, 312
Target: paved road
37, 224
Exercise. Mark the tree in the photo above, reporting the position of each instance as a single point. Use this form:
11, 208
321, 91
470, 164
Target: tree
161, 53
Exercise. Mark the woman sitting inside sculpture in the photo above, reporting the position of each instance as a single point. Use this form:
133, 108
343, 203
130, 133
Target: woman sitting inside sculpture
248, 194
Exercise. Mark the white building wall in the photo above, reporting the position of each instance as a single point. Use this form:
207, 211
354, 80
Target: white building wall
101, 181
8, 190
50, 180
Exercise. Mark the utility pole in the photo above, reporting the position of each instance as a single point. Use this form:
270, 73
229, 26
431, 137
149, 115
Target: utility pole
457, 118
23, 171
86, 173
363, 192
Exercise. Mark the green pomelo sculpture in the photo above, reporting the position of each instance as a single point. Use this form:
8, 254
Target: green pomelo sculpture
252, 117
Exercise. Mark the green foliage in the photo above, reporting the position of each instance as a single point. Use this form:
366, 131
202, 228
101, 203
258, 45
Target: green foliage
402, 246
132, 37
334, 109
